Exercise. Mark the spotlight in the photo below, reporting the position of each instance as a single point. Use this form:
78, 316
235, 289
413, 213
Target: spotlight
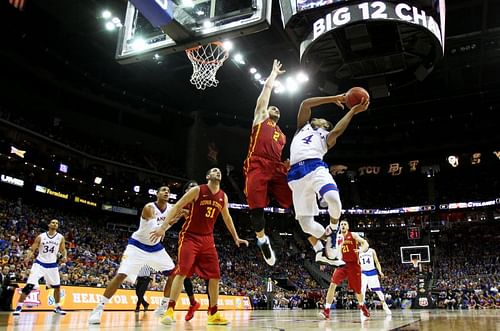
253, 70
106, 14
98, 180
110, 26
257, 76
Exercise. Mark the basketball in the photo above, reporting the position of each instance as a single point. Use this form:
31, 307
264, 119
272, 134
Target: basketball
354, 96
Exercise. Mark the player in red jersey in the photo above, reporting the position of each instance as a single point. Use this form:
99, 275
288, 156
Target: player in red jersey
197, 253
349, 242
264, 170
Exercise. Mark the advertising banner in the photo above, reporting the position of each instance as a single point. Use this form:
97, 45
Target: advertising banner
81, 298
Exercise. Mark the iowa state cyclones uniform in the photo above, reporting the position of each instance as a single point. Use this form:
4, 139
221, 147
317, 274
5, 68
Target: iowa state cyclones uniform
197, 253
351, 270
264, 171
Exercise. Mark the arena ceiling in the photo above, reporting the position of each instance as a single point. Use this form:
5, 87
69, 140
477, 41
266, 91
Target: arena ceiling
453, 108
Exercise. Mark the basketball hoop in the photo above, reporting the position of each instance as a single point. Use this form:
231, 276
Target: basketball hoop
206, 60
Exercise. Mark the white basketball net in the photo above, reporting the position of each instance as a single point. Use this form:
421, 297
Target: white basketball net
206, 60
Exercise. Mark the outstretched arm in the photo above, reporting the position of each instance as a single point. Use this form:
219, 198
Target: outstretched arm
228, 220
377, 264
361, 241
304, 114
261, 112
173, 213
340, 127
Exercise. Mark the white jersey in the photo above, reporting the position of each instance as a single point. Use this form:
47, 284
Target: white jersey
49, 247
308, 143
366, 260
146, 227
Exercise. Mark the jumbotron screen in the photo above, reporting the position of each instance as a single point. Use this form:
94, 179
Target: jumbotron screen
433, 6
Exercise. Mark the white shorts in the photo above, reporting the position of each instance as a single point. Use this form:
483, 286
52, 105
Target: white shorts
133, 259
372, 282
51, 275
304, 191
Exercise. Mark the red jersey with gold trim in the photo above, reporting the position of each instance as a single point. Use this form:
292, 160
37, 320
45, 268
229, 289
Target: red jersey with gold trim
267, 141
204, 212
349, 248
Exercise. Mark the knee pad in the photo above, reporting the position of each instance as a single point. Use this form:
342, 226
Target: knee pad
309, 225
257, 219
28, 288
332, 197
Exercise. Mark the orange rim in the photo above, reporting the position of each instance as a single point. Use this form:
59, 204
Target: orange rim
192, 57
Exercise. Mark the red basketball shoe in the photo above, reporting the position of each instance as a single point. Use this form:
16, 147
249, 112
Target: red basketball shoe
364, 310
192, 310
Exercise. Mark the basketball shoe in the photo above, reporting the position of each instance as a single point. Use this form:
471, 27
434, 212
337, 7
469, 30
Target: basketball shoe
267, 251
18, 310
192, 310
96, 314
325, 314
217, 319
168, 317
58, 310
332, 241
321, 258
386, 309
364, 310
162, 308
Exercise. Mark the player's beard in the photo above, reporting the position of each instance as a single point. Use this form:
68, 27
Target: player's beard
274, 118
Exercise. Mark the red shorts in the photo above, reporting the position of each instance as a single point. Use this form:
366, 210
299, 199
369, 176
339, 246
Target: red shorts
263, 178
197, 254
351, 271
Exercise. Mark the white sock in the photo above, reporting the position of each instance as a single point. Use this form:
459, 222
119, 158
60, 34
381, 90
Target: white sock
262, 239
20, 304
103, 301
318, 247
165, 301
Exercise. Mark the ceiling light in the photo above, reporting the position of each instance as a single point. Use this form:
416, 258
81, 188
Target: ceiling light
228, 45
257, 76
138, 44
302, 77
207, 24
239, 58
253, 70
200, 13
291, 85
115, 20
106, 14
262, 82
98, 180
156, 56
110, 26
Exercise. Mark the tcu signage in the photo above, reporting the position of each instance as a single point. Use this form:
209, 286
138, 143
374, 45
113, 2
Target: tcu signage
376, 10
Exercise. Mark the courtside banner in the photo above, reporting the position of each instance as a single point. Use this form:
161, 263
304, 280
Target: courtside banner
81, 298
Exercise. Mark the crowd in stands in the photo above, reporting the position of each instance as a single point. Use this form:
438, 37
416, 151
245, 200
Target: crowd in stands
466, 275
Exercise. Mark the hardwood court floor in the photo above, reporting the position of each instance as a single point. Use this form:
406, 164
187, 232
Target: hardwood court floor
279, 320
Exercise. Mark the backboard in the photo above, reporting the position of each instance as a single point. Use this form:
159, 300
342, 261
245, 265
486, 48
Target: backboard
422, 253
168, 26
